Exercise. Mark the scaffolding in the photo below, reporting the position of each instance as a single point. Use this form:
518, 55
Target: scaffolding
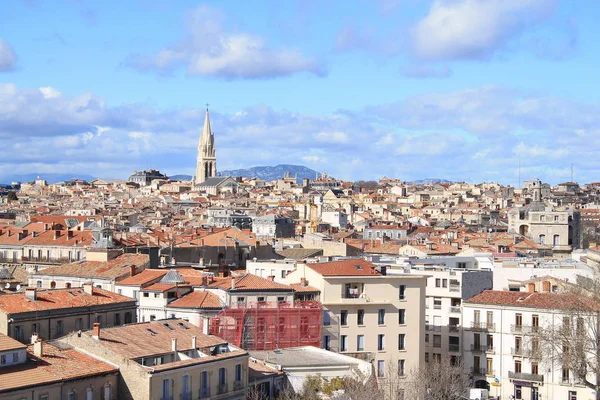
268, 326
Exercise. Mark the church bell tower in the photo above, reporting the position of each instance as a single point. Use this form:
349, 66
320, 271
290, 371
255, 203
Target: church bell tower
206, 164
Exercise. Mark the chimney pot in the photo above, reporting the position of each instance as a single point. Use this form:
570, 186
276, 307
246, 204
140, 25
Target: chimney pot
34, 337
31, 293
88, 288
174, 345
131, 270
96, 331
194, 343
303, 282
38, 348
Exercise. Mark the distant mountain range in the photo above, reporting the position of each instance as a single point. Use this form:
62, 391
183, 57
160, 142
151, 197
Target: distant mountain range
50, 178
429, 181
273, 173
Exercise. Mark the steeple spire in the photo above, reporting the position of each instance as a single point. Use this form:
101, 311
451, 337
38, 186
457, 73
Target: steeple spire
206, 165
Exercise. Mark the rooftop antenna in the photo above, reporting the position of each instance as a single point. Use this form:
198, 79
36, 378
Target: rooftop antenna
572, 173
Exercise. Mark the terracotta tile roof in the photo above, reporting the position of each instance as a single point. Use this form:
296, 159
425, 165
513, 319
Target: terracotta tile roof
59, 298
78, 238
250, 282
145, 277
352, 267
299, 253
554, 301
131, 341
298, 288
55, 365
160, 287
111, 269
198, 299
8, 343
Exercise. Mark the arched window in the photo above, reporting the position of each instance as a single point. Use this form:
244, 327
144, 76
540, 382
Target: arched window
542, 239
167, 388
68, 285
52, 285
186, 391
556, 240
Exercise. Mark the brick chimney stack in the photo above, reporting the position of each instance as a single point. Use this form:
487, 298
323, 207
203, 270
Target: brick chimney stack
96, 331
132, 270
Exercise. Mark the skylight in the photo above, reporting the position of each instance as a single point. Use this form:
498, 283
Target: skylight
169, 327
184, 326
152, 331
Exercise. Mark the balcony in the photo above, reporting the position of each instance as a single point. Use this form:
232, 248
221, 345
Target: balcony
239, 385
166, 398
518, 351
454, 288
490, 372
522, 376
453, 328
204, 393
185, 396
490, 350
483, 326
455, 310
437, 306
221, 389
433, 328
524, 329
478, 348
454, 348
478, 371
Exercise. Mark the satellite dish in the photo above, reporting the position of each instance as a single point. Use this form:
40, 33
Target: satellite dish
18, 287
7, 286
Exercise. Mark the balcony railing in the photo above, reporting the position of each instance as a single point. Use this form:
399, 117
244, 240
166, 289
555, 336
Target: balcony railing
455, 288
433, 328
239, 385
522, 376
524, 328
478, 348
222, 388
437, 306
185, 396
483, 326
453, 328
454, 347
204, 392
478, 371
489, 349
455, 309
166, 398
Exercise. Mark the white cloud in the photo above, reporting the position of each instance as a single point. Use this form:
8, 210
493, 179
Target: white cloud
474, 29
331, 137
139, 135
49, 92
313, 159
8, 57
211, 50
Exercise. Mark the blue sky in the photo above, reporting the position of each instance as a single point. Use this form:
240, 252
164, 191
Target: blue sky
455, 89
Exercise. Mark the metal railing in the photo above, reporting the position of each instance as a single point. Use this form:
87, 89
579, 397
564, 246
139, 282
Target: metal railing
478, 348
204, 392
522, 376
433, 328
454, 347
239, 385
222, 388
185, 396
484, 326
517, 351
478, 371
453, 328
454, 309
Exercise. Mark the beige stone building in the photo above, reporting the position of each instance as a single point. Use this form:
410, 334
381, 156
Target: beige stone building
369, 314
54, 313
168, 359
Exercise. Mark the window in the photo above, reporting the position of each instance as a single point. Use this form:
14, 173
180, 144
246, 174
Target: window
476, 317
380, 342
535, 322
326, 342
344, 317
79, 324
565, 375
166, 388
15, 357
490, 342
380, 368
128, 317
59, 328
518, 392
542, 239
89, 394
445, 283
35, 328
402, 316
517, 366
490, 318
518, 320
401, 367
402, 341
106, 392
281, 299
2, 359
19, 333
437, 303
343, 343
490, 366
117, 319
437, 341
437, 357
361, 317
426, 357
72, 396
241, 299
185, 385
204, 391
283, 274
222, 376
534, 368
381, 316
261, 299
402, 290
326, 318
556, 240
360, 343
438, 282
427, 338
238, 372
146, 294
38, 284
572, 395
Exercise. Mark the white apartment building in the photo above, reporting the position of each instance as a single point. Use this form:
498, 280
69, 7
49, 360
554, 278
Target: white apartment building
502, 346
445, 292
369, 314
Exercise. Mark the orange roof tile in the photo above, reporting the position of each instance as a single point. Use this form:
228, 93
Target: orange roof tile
115, 268
197, 299
555, 301
59, 298
351, 267
250, 282
8, 343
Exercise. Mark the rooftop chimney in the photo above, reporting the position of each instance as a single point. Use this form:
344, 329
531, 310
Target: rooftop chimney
194, 343
38, 348
232, 283
96, 331
56, 234
174, 345
303, 282
131, 270
31, 293
34, 337
271, 278
69, 235
88, 288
